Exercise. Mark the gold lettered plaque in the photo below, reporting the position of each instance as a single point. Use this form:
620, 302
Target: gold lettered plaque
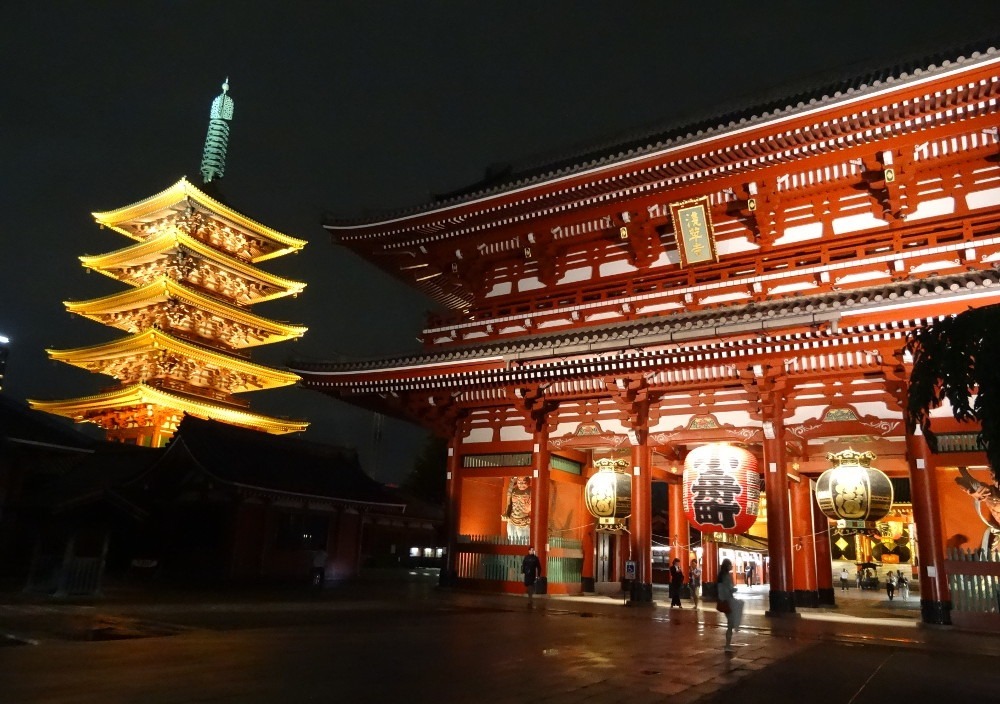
693, 229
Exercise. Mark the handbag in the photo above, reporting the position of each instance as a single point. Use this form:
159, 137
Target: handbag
723, 606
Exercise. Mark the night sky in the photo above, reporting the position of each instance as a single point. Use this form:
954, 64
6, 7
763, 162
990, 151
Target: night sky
353, 107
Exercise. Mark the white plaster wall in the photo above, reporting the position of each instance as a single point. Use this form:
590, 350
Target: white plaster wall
515, 432
983, 199
792, 288
856, 223
500, 289
863, 276
584, 273
932, 208
617, 267
800, 233
735, 246
478, 435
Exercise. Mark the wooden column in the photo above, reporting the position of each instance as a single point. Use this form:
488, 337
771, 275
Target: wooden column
782, 600
452, 509
679, 533
709, 568
824, 560
641, 523
540, 490
935, 596
803, 544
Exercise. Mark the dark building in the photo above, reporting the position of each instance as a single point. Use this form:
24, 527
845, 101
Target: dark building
218, 504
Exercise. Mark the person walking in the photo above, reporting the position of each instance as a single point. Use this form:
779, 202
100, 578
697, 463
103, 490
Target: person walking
531, 568
904, 586
890, 585
728, 603
694, 581
676, 582
843, 579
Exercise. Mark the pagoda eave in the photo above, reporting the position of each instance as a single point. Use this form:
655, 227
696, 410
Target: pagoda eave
109, 408
118, 311
184, 192
156, 344
157, 249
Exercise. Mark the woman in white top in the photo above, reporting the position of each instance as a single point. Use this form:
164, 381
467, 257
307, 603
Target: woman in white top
727, 592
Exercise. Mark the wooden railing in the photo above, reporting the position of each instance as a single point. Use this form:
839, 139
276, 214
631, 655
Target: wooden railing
566, 566
974, 580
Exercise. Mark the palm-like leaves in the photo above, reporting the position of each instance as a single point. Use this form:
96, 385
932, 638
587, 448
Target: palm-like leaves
958, 359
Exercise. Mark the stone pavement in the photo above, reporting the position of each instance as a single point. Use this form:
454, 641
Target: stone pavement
380, 641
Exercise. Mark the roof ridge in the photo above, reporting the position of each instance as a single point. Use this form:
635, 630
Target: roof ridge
799, 93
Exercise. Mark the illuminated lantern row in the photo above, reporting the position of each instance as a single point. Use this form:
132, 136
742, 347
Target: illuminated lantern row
721, 488
853, 493
608, 494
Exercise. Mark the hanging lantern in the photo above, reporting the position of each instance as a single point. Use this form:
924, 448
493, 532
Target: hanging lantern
608, 494
721, 488
853, 493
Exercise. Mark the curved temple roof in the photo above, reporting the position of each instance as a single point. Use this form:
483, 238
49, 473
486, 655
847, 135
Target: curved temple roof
157, 341
87, 408
164, 290
125, 220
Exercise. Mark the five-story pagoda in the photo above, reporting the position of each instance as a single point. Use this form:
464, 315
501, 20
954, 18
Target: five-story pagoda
194, 277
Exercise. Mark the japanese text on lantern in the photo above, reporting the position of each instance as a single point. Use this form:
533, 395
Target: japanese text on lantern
693, 230
713, 496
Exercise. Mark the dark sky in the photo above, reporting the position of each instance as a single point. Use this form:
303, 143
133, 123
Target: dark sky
350, 106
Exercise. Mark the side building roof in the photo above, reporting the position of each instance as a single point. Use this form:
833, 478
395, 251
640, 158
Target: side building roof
252, 460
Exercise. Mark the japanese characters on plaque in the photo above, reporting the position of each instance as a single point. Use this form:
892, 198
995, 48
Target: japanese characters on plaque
693, 229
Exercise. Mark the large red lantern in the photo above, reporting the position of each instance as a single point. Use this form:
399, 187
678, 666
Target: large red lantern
721, 488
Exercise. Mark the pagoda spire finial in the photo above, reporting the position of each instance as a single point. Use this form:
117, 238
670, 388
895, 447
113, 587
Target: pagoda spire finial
213, 160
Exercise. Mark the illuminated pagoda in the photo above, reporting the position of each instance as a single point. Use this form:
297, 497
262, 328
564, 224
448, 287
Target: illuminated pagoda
193, 275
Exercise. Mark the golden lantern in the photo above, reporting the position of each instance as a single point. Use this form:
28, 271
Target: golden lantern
608, 494
853, 493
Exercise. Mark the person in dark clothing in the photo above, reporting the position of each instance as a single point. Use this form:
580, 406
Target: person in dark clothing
676, 581
531, 567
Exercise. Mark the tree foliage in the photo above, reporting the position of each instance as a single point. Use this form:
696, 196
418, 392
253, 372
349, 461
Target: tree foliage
427, 478
958, 359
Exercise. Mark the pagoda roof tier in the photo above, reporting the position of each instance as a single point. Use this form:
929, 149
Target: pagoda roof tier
171, 306
104, 409
184, 258
155, 354
238, 235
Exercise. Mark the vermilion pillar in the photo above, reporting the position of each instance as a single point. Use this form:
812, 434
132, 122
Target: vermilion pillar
641, 523
824, 560
540, 505
935, 596
803, 544
453, 502
679, 539
709, 568
782, 600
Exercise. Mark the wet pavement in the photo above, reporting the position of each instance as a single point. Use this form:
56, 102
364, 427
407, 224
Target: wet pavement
382, 640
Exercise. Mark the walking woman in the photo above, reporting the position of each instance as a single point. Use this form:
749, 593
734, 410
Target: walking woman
727, 593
